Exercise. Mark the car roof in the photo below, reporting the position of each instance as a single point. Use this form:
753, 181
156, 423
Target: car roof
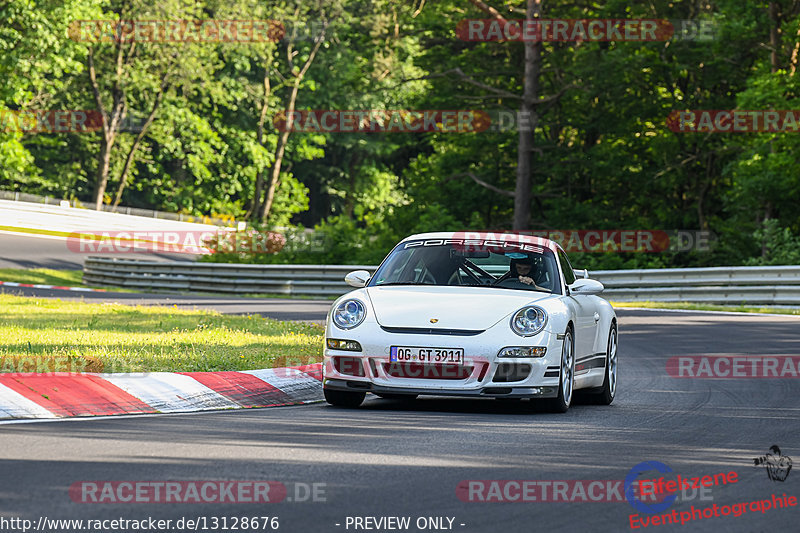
487, 236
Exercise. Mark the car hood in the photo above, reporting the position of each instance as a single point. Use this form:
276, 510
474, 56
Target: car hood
473, 308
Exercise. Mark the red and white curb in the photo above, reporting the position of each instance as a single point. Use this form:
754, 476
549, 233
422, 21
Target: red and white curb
36, 286
62, 394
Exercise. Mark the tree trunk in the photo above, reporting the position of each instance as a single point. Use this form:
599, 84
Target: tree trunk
283, 140
350, 199
110, 123
255, 204
123, 179
704, 188
774, 35
275, 175
533, 64
103, 167
795, 53
764, 237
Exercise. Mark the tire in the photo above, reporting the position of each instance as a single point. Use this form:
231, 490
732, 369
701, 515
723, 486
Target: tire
393, 396
608, 391
342, 398
566, 381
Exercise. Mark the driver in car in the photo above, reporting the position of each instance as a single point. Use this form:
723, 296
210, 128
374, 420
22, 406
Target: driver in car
522, 270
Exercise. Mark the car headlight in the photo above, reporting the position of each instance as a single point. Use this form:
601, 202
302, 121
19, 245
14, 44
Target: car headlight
342, 344
523, 351
529, 321
349, 314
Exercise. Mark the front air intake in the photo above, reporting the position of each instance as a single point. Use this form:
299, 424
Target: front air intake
423, 371
508, 372
349, 366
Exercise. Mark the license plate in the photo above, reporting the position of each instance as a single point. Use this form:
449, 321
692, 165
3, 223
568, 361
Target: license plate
418, 354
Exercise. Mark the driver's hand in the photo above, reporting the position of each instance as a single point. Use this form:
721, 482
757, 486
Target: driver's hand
526, 280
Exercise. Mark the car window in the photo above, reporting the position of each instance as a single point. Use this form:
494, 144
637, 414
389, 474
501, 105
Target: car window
475, 263
566, 268
394, 268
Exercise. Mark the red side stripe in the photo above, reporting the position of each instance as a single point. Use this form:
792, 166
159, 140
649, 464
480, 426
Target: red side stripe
244, 389
65, 394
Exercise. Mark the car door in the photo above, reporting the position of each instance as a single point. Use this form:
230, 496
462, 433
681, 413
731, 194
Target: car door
586, 315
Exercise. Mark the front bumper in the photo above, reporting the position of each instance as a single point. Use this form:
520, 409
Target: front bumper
496, 390
481, 366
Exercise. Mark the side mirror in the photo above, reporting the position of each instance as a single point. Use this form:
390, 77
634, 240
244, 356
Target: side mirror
586, 287
357, 278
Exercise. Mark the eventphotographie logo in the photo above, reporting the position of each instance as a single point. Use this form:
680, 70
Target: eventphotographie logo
632, 478
777, 465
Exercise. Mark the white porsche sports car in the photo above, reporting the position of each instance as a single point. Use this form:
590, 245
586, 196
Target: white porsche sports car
447, 315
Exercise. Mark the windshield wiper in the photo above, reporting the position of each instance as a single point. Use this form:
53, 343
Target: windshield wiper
400, 283
533, 288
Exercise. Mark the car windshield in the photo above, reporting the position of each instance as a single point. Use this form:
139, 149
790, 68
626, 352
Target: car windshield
451, 262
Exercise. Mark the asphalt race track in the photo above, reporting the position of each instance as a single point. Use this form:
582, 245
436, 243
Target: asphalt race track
391, 458
21, 250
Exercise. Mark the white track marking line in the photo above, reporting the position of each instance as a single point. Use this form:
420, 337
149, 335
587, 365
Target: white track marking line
297, 384
170, 393
15, 405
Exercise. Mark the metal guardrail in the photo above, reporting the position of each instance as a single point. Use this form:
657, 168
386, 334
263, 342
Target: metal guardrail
767, 285
770, 285
289, 280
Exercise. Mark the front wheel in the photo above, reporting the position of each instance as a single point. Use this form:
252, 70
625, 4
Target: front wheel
609, 389
560, 404
342, 398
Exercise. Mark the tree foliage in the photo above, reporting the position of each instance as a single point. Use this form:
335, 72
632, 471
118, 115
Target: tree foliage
190, 126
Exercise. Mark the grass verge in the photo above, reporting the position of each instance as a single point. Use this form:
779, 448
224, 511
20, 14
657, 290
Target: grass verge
42, 335
708, 307
43, 276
